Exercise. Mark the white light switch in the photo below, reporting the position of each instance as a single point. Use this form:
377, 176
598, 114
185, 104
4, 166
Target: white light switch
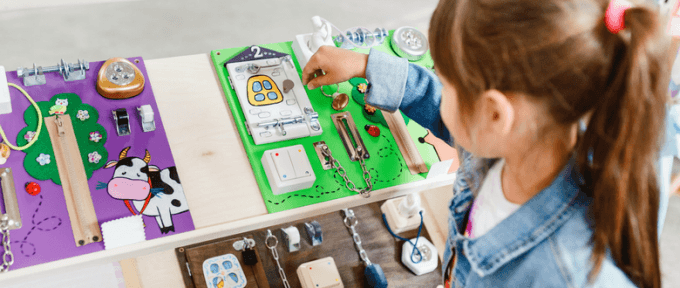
288, 169
320, 273
5, 103
300, 162
283, 166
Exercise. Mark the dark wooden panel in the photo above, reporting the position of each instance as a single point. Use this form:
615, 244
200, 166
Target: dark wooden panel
381, 247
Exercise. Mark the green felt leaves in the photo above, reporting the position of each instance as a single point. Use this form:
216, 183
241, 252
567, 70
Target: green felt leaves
84, 118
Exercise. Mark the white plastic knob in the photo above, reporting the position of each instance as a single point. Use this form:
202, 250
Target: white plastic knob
410, 206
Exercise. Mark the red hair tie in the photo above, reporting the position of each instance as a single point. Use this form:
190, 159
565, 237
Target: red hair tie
613, 17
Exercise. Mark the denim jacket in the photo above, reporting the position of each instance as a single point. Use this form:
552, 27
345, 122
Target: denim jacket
545, 243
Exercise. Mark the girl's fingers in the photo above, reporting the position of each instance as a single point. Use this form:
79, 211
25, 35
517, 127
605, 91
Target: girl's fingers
311, 68
319, 81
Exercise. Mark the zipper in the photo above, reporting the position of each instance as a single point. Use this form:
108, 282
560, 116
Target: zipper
73, 180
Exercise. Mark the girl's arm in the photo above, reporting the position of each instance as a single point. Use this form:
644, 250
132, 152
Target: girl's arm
397, 84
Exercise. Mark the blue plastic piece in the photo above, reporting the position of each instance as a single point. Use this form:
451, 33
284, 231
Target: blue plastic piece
214, 268
259, 97
216, 281
267, 85
227, 265
272, 95
375, 276
257, 87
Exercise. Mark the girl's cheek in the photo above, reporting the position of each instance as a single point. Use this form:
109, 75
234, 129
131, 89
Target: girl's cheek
451, 118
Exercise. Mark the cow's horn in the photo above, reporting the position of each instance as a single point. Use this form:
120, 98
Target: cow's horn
147, 157
123, 153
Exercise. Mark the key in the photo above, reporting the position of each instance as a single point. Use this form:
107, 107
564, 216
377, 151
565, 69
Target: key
375, 276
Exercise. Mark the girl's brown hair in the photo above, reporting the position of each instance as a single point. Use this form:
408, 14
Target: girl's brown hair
562, 53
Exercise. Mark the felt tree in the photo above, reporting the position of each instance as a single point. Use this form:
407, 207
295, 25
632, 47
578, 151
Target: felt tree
40, 162
358, 96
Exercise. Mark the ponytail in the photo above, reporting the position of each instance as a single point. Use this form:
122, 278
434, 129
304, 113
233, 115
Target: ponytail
618, 152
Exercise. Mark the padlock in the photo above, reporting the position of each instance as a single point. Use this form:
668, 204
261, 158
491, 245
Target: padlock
249, 256
375, 276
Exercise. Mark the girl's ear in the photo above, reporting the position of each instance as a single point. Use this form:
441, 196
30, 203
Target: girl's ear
499, 114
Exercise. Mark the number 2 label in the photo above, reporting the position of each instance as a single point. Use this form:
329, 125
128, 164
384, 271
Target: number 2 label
256, 49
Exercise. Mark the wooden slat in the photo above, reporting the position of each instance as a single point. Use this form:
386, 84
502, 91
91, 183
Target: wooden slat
129, 267
408, 149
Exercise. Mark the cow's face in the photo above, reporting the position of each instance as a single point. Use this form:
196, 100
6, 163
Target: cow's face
130, 179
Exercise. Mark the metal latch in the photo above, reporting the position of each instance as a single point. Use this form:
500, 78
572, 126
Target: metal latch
11, 218
70, 72
325, 163
253, 68
354, 145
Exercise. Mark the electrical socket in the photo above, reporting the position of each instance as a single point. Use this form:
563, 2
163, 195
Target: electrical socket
396, 219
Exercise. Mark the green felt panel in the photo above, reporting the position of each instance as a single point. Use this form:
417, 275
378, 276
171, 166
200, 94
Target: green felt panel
386, 164
44, 146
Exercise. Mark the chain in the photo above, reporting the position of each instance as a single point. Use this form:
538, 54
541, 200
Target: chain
365, 192
7, 257
351, 222
275, 254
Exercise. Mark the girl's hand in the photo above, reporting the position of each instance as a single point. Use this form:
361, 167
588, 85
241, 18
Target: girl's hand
339, 65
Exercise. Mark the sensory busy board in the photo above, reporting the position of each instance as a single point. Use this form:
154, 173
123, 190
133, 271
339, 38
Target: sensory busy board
386, 164
109, 161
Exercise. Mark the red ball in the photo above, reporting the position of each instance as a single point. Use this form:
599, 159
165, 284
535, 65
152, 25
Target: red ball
32, 188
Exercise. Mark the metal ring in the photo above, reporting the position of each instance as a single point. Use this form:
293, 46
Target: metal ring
347, 221
336, 89
271, 236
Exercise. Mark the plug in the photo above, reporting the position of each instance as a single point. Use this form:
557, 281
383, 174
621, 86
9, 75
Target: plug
402, 214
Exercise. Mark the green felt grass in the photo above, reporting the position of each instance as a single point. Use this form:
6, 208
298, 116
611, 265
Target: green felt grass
44, 145
386, 165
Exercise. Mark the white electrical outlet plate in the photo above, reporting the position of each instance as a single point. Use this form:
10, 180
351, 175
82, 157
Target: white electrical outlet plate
429, 253
301, 48
5, 103
288, 169
320, 273
397, 222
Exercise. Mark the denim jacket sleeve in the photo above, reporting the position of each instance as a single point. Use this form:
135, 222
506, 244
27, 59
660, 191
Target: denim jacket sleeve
397, 84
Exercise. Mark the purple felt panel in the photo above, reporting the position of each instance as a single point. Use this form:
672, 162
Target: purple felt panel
46, 232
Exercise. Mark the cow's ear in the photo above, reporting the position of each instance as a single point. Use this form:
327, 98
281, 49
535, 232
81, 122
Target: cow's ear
110, 164
153, 168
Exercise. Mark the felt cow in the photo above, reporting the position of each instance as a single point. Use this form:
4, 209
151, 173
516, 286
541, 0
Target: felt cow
152, 192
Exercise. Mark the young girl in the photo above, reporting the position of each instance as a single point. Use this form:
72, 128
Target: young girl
537, 201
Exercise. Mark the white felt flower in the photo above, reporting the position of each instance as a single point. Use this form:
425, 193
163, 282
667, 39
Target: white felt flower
83, 115
95, 136
94, 157
43, 159
29, 136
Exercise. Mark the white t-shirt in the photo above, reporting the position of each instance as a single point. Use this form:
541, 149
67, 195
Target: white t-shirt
490, 206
